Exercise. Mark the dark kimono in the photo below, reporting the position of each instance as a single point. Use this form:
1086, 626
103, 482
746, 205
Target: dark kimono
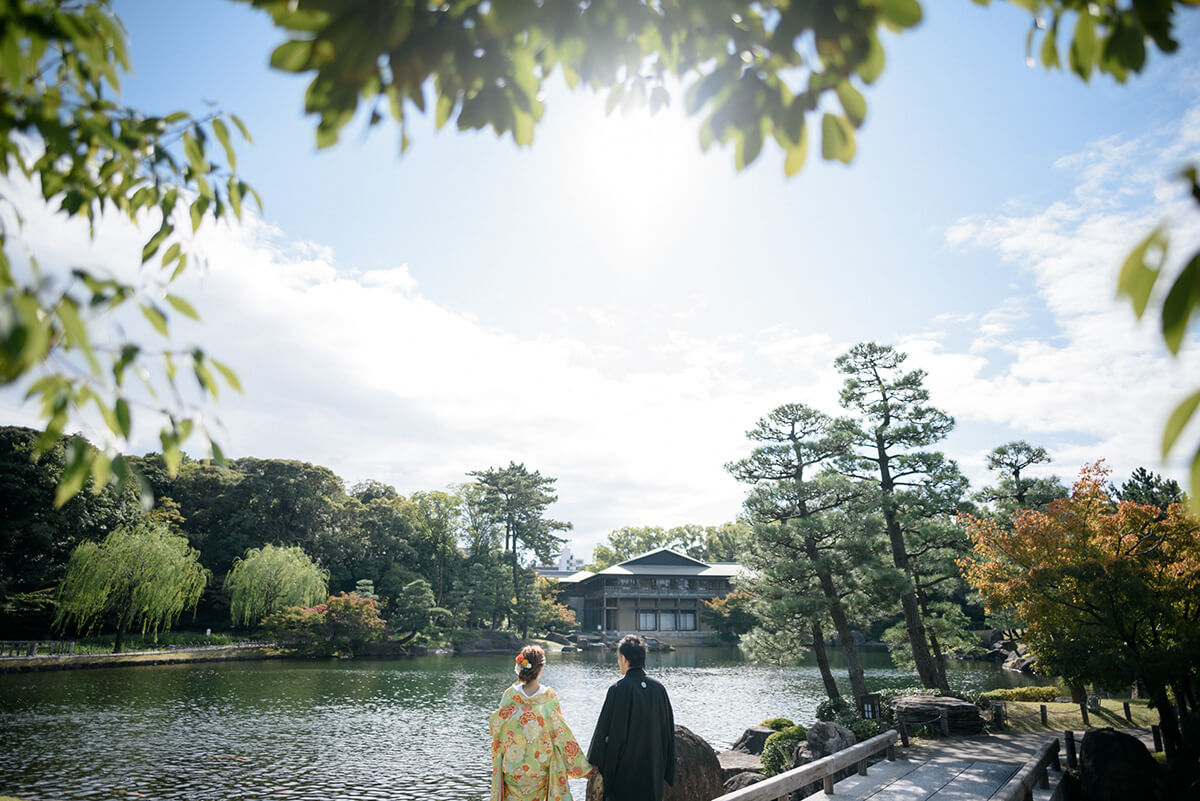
633, 746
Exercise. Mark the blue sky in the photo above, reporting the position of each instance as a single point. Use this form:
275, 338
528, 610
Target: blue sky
615, 308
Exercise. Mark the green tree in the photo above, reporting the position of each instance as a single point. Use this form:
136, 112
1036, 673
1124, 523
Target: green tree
36, 536
351, 621
627, 542
795, 505
269, 578
517, 500
894, 426
1150, 489
66, 133
553, 615
1015, 489
412, 610
731, 615
142, 576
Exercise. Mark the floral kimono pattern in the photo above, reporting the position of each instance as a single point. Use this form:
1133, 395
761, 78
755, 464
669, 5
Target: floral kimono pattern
533, 750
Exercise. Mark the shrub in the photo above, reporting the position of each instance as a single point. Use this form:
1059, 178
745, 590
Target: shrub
1040, 694
778, 750
841, 713
778, 724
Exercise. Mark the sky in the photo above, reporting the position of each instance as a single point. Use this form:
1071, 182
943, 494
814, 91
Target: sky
616, 309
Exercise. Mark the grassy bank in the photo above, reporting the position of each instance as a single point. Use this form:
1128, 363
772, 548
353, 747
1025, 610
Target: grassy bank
1025, 716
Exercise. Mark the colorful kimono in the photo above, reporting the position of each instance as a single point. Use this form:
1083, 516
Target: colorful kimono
533, 750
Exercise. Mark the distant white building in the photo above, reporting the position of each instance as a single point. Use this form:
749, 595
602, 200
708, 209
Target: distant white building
567, 565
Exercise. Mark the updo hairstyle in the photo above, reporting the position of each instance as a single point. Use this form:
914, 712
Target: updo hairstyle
536, 657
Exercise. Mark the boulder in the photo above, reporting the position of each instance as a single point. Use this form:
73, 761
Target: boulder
554, 636
697, 771
964, 717
997, 655
1007, 645
742, 780
1113, 766
752, 740
828, 738
735, 762
988, 637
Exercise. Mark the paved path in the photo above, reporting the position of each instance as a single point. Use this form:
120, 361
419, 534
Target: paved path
958, 769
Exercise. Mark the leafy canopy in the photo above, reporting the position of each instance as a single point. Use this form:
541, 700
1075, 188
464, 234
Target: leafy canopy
138, 577
269, 578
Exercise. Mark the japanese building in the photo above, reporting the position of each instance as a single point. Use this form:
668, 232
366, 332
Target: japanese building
656, 594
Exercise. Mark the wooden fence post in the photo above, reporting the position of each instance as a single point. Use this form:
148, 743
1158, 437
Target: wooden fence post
1156, 732
1069, 736
1128, 714
903, 732
1045, 722
944, 722
1083, 711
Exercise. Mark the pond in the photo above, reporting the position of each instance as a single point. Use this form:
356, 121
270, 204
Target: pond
403, 729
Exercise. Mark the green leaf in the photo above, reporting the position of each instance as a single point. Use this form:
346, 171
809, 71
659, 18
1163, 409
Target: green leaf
1178, 419
900, 13
1179, 304
156, 241
837, 139
796, 155
195, 153
156, 318
1194, 484
101, 471
235, 196
182, 306
748, 146
241, 126
78, 460
1083, 46
1050, 47
228, 374
445, 105
872, 64
852, 103
1137, 277
222, 132
292, 56
173, 253
124, 420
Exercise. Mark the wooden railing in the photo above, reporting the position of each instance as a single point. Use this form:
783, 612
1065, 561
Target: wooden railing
1035, 771
34, 647
823, 769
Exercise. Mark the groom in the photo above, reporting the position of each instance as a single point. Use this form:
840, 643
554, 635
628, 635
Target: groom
633, 747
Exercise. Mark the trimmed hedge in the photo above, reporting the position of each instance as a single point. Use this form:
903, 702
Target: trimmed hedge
778, 724
778, 750
1040, 694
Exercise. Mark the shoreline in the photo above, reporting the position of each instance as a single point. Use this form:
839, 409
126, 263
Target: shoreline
219, 653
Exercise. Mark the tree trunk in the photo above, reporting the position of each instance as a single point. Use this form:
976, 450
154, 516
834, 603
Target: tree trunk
831, 688
1173, 744
858, 682
939, 658
913, 623
119, 640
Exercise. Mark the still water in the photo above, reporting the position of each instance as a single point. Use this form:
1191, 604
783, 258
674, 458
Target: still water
405, 729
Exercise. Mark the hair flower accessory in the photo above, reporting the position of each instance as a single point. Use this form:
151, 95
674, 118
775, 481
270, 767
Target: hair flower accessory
522, 664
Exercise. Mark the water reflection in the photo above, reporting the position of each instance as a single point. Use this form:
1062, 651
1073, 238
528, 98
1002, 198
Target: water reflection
409, 730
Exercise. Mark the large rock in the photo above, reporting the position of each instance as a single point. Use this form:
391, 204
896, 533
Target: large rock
828, 738
735, 762
554, 636
697, 771
1113, 766
964, 716
753, 740
742, 780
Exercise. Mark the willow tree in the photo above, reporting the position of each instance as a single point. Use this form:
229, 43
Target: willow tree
140, 577
269, 578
